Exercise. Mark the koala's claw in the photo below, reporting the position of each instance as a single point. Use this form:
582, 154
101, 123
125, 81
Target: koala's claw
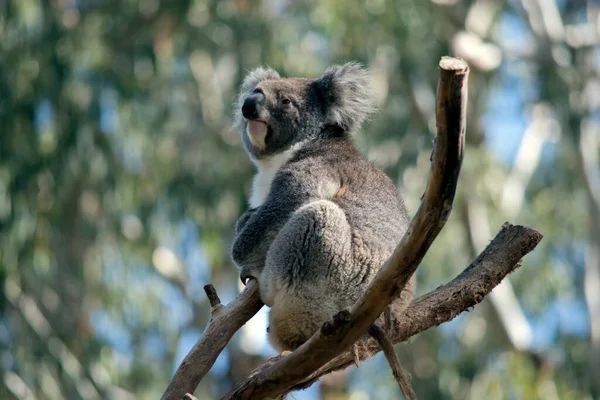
245, 274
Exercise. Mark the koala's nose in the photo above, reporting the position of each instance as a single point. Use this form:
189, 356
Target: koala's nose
252, 104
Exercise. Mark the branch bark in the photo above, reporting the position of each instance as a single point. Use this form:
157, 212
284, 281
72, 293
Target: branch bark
501, 257
224, 323
348, 326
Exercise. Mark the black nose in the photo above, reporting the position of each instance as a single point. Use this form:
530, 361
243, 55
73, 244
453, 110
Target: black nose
251, 106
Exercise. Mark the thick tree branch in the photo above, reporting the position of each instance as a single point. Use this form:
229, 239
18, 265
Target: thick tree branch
501, 257
347, 327
224, 322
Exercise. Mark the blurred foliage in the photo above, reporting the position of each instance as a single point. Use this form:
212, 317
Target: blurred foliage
121, 178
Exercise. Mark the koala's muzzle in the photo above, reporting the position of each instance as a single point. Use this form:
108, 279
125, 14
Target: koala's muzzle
252, 105
256, 128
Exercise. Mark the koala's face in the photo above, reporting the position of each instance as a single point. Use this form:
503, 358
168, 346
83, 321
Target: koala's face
278, 113
275, 113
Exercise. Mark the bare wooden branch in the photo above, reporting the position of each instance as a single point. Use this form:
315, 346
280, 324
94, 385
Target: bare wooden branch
348, 327
225, 321
213, 297
501, 257
387, 346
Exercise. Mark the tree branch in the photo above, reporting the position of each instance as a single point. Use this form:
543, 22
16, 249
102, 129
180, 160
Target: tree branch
501, 257
347, 327
224, 322
315, 358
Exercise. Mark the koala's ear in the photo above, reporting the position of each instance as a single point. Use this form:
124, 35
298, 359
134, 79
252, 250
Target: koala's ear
348, 95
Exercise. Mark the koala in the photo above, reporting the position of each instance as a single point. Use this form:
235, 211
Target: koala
321, 219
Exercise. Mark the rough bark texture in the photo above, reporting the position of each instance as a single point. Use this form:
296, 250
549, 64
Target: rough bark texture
501, 257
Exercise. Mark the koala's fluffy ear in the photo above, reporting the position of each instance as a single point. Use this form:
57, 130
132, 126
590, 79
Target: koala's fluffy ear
250, 81
348, 94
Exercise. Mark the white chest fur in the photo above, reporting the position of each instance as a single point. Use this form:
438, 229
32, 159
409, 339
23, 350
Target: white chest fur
267, 169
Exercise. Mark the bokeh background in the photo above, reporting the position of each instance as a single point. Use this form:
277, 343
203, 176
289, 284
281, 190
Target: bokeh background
121, 178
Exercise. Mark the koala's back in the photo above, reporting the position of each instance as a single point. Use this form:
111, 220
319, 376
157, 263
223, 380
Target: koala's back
331, 248
373, 206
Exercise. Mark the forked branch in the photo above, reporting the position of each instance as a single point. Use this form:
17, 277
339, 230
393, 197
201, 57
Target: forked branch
348, 327
317, 357
501, 257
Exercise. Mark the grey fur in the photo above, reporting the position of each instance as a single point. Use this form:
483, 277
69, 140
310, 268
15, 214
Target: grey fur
328, 219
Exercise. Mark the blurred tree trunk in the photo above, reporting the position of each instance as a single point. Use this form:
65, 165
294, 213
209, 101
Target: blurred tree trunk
574, 101
589, 169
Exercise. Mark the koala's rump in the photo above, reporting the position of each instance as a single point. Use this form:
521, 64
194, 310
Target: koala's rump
313, 246
328, 251
317, 266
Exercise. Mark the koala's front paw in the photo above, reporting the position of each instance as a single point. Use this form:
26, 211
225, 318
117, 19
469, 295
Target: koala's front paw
246, 274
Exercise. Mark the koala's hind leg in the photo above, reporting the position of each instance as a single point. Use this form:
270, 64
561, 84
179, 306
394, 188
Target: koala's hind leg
304, 267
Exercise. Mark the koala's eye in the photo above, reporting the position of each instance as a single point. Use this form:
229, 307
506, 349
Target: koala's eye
257, 90
285, 101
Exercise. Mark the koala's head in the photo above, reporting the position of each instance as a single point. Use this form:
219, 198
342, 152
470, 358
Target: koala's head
275, 113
